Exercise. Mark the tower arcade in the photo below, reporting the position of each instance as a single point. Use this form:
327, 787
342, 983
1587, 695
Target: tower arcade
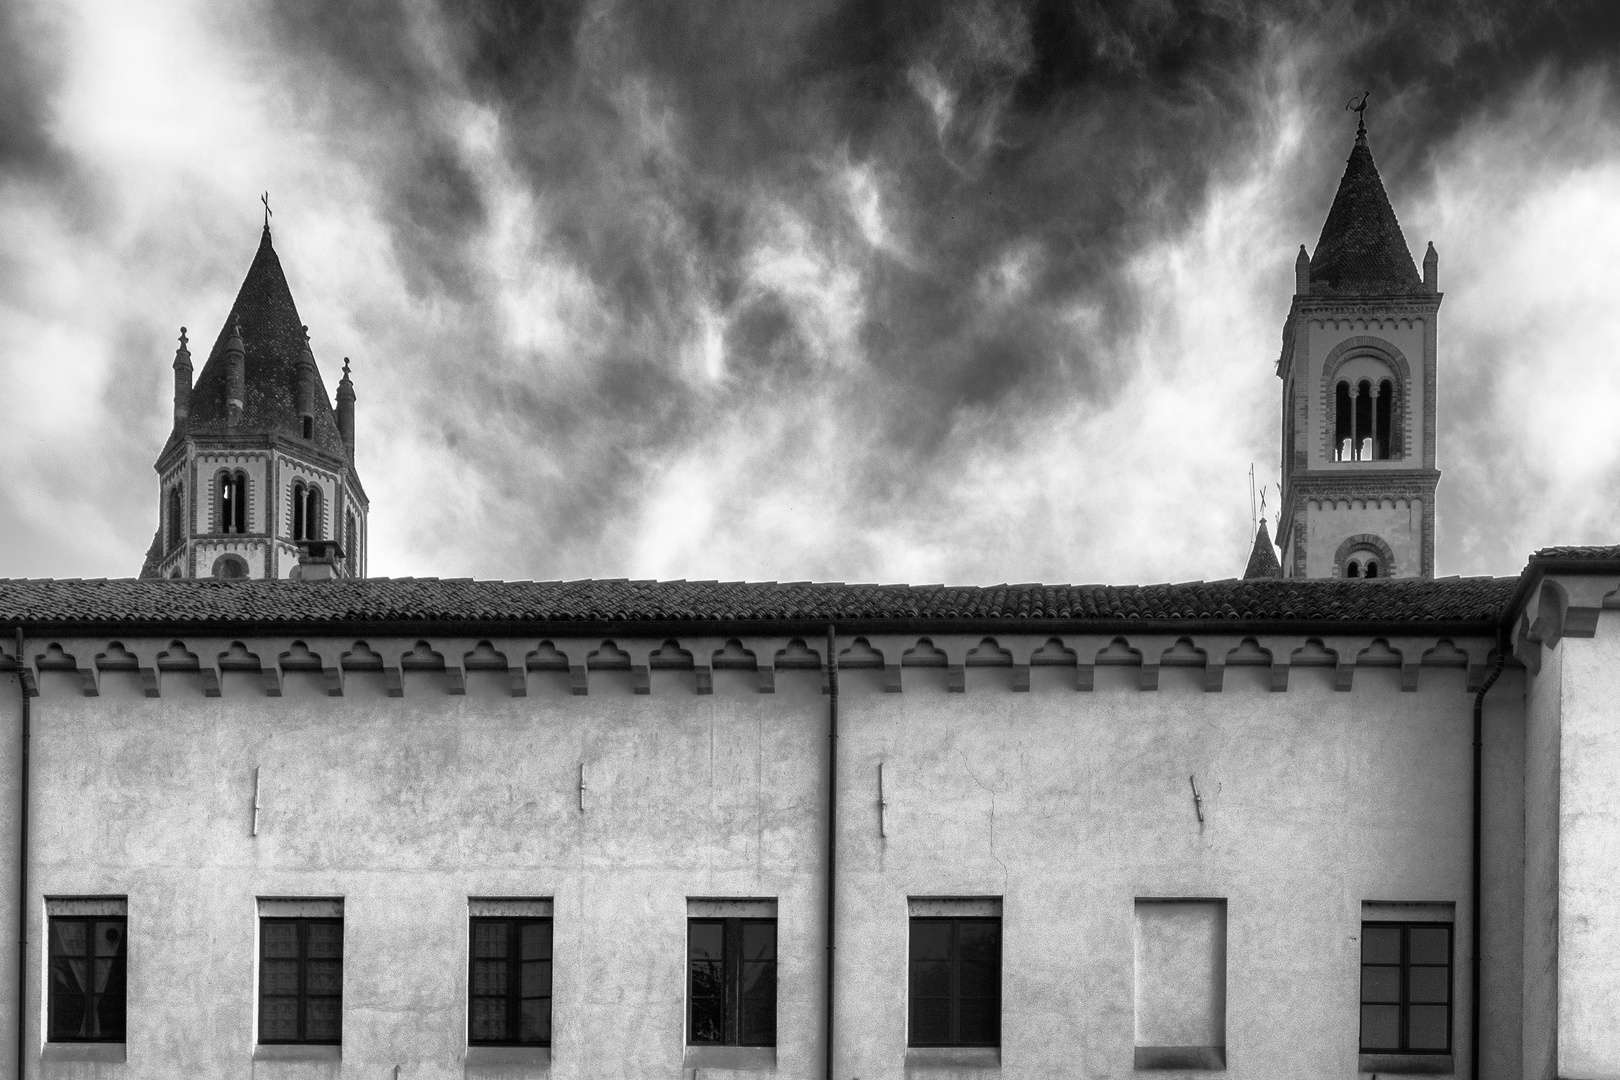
1358, 371
258, 474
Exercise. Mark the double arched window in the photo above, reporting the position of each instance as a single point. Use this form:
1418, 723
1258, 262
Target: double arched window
1363, 564
177, 516
306, 511
1363, 419
233, 496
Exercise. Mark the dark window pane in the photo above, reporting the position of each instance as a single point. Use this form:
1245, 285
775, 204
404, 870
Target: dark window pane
1429, 945
67, 1011
488, 1019
1429, 985
321, 1019
280, 939
324, 977
978, 979
326, 939
930, 939
489, 939
1380, 945
759, 941
930, 1021
110, 1013
979, 1022
1381, 984
930, 978
706, 940
278, 1019
489, 977
708, 979
536, 980
279, 976
109, 939
67, 976
536, 943
534, 1021
1380, 1027
1426, 1027
68, 938
756, 1014
708, 1020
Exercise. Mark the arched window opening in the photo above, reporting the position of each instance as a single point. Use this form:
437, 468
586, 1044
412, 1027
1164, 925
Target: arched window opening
176, 512
230, 566
306, 511
1372, 568
1363, 420
351, 546
233, 502
1383, 407
1342, 437
1353, 569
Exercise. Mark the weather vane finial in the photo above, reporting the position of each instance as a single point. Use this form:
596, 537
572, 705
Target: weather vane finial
265, 198
1359, 107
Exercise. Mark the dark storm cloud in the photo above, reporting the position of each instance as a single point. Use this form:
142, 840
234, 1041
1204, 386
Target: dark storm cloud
1015, 156
29, 50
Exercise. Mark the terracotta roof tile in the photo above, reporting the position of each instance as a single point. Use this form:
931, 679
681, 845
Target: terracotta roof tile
42, 603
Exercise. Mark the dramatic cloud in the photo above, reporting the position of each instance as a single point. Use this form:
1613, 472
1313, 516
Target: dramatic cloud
948, 290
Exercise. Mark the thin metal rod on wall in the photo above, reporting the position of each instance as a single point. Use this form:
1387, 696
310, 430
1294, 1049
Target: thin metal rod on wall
832, 826
1477, 914
22, 858
255, 829
882, 805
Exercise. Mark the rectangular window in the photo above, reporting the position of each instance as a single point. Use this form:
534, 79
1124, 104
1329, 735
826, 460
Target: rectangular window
731, 973
955, 980
300, 979
87, 970
1406, 987
510, 981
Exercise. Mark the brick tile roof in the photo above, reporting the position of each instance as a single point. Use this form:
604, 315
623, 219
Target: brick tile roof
272, 340
1361, 250
399, 603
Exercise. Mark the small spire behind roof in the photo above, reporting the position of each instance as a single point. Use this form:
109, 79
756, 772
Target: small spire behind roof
1263, 557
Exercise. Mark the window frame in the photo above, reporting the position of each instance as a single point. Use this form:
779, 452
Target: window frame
231, 501
1405, 1003
732, 961
954, 1000
54, 998
302, 996
513, 993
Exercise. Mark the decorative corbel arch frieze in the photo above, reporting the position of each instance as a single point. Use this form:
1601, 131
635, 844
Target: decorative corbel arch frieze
1400, 409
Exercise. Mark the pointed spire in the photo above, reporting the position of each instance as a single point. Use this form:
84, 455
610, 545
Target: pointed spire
182, 381
1263, 558
345, 409
1362, 250
1431, 269
235, 376
1302, 272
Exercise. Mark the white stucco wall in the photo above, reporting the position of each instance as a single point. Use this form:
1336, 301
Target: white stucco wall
1068, 805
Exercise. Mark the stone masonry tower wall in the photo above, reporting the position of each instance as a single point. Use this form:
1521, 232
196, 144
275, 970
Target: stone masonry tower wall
1358, 367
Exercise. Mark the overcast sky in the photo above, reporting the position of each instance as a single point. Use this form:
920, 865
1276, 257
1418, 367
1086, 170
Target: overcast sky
948, 290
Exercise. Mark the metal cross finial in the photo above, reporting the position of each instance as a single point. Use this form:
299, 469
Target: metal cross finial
1359, 107
265, 198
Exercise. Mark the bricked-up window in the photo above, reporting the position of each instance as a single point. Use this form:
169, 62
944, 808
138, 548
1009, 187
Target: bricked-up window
1406, 987
955, 981
731, 981
510, 982
300, 980
351, 540
87, 975
176, 515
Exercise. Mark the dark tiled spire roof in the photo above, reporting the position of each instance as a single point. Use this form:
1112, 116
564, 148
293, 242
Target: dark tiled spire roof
1263, 559
405, 605
1361, 250
272, 338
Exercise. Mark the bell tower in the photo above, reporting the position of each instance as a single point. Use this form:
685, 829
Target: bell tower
257, 479
1358, 368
